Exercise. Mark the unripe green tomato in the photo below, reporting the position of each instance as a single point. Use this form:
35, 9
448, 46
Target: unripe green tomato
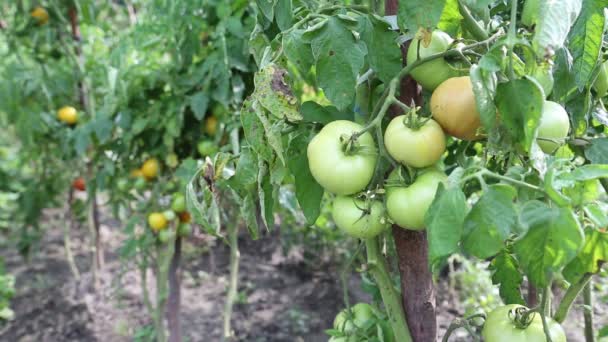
207, 148
140, 183
361, 313
179, 203
554, 124
172, 160
544, 75
350, 216
122, 185
583, 192
431, 74
166, 235
419, 147
407, 205
500, 327
169, 215
601, 82
184, 229
338, 171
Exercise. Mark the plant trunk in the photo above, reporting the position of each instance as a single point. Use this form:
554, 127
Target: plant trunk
417, 288
174, 301
67, 227
418, 291
588, 313
99, 257
233, 234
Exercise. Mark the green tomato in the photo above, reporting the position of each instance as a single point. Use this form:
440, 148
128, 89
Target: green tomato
361, 313
140, 183
207, 148
420, 147
339, 171
529, 15
407, 205
499, 327
583, 192
184, 229
122, 185
169, 215
179, 203
544, 76
357, 218
166, 235
601, 82
431, 74
554, 125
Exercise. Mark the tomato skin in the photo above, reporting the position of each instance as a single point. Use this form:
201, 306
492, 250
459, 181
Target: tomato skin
79, 184
122, 184
185, 217
414, 147
150, 168
184, 229
211, 125
332, 168
430, 74
453, 107
207, 148
40, 14
600, 85
554, 124
500, 328
157, 221
350, 219
166, 235
544, 76
140, 183
179, 203
169, 215
407, 205
362, 312
68, 115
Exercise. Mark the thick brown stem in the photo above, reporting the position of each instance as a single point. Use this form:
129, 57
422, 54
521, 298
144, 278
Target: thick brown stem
174, 300
417, 287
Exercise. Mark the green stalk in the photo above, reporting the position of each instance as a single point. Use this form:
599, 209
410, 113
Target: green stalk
390, 297
233, 233
573, 291
588, 312
544, 307
470, 23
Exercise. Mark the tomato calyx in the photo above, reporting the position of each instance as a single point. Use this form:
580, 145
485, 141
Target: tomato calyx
413, 121
522, 317
350, 144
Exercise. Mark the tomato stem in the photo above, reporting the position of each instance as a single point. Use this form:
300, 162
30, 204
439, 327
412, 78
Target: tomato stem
391, 299
571, 294
544, 307
470, 23
588, 313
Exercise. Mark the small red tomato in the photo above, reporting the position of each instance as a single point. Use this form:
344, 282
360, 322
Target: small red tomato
184, 217
79, 184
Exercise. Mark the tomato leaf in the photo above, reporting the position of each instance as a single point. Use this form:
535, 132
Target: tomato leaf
314, 112
553, 238
591, 257
554, 22
449, 21
585, 40
444, 221
520, 117
563, 75
383, 52
274, 94
339, 58
414, 14
308, 192
506, 274
249, 212
597, 152
253, 129
579, 108
198, 104
265, 191
597, 213
587, 172
283, 14
298, 51
484, 86
490, 222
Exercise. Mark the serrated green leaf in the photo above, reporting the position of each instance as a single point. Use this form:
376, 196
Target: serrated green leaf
254, 132
579, 108
587, 172
283, 14
298, 51
444, 221
449, 21
272, 131
597, 152
339, 58
314, 112
564, 79
490, 222
246, 175
554, 22
553, 239
521, 117
506, 275
383, 52
585, 41
249, 214
591, 257
265, 190
484, 86
198, 104
308, 192
413, 15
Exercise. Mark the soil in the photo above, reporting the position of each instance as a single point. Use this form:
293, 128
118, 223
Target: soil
282, 298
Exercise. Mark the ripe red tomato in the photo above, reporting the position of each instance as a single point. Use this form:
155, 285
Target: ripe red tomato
79, 184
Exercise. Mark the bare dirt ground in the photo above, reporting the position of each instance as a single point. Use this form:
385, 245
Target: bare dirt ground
282, 298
